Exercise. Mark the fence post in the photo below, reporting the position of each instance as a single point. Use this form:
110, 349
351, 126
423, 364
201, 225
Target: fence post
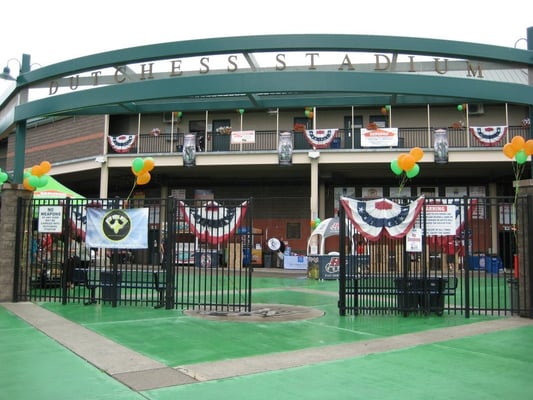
342, 260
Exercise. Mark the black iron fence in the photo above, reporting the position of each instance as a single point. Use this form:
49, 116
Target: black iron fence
466, 255
186, 254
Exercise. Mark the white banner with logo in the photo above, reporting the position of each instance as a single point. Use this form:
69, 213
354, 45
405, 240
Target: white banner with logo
381, 137
117, 229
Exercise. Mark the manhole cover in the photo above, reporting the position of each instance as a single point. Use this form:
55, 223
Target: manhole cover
260, 313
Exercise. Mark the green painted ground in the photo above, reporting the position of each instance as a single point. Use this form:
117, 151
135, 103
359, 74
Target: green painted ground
498, 365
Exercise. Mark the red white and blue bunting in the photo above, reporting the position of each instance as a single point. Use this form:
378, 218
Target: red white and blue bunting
320, 138
122, 143
211, 223
375, 218
489, 135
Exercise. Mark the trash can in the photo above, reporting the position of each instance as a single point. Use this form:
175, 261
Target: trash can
267, 260
110, 289
515, 296
407, 295
435, 262
432, 295
393, 266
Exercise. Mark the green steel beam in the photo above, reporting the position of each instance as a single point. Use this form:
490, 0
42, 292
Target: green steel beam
298, 87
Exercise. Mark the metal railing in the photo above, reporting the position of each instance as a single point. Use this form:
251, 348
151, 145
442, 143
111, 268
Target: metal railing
345, 139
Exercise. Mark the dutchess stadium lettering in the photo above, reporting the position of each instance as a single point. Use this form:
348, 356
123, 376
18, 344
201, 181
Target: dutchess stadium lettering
382, 63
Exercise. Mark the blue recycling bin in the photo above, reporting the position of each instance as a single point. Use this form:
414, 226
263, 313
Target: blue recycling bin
336, 143
493, 264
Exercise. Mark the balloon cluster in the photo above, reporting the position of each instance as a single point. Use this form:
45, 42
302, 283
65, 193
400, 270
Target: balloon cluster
240, 111
385, 109
309, 112
177, 114
315, 222
35, 177
462, 107
519, 149
3, 176
141, 169
406, 165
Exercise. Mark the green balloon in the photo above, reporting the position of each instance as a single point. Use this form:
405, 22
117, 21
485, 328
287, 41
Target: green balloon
33, 181
521, 157
138, 164
395, 167
413, 171
43, 180
3, 177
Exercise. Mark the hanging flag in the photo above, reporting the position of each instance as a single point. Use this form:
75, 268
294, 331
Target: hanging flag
117, 228
374, 218
488, 135
211, 223
122, 143
320, 138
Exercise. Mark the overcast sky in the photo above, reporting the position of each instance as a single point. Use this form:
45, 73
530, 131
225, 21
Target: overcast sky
52, 30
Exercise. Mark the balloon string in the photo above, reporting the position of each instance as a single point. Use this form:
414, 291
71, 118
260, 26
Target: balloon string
132, 189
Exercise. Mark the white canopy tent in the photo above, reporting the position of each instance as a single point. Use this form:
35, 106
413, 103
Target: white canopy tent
316, 243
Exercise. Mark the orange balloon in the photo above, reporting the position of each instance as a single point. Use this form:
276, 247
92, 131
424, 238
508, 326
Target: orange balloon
400, 158
148, 165
518, 143
133, 172
407, 162
143, 178
27, 185
528, 147
417, 153
509, 151
46, 166
37, 170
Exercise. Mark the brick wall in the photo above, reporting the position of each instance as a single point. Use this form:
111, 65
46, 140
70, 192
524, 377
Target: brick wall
60, 140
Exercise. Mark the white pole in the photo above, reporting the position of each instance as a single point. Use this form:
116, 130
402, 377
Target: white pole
507, 121
139, 133
429, 125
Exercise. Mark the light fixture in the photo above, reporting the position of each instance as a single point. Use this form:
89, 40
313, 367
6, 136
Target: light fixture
314, 154
189, 150
285, 148
6, 73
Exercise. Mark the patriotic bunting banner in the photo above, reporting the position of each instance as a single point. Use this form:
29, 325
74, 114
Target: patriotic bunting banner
488, 135
117, 228
212, 223
320, 138
122, 143
374, 218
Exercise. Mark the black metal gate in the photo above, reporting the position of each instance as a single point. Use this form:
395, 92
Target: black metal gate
197, 256
482, 267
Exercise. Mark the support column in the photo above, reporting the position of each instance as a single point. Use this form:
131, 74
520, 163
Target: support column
8, 237
314, 189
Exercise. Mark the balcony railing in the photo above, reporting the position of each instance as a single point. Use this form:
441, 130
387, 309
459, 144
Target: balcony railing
344, 140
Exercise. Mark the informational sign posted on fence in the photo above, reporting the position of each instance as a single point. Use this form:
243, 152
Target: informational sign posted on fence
440, 220
50, 218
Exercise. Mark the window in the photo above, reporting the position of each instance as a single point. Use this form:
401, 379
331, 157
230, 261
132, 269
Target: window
197, 126
293, 230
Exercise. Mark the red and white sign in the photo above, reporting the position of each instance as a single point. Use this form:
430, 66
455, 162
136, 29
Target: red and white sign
379, 137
